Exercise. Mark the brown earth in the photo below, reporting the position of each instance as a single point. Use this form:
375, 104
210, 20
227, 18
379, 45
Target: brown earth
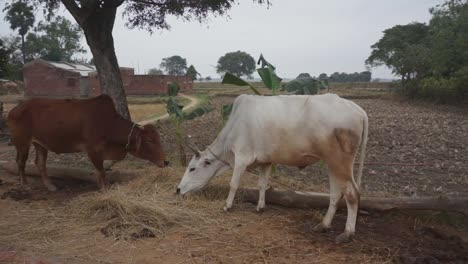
415, 149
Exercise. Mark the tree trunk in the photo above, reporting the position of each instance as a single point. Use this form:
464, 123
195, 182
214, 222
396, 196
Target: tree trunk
98, 28
308, 200
23, 49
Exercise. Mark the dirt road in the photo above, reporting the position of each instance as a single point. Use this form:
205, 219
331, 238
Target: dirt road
193, 103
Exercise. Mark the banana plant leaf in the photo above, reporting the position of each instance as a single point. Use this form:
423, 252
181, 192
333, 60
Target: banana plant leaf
234, 80
268, 75
198, 112
172, 89
174, 109
305, 86
269, 78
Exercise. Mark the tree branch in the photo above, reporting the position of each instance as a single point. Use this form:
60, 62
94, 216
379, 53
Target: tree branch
149, 2
113, 3
72, 7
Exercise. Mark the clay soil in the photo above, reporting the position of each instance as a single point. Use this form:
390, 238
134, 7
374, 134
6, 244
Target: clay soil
415, 149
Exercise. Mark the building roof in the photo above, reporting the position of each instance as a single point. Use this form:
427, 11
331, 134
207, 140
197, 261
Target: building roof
82, 68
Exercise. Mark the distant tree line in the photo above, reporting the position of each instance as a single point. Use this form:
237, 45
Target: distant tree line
431, 59
342, 77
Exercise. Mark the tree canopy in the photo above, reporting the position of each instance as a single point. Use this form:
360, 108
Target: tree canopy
432, 59
238, 63
303, 75
399, 49
342, 77
155, 71
174, 65
4, 57
192, 72
20, 15
57, 40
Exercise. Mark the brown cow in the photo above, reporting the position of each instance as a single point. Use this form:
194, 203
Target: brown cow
71, 125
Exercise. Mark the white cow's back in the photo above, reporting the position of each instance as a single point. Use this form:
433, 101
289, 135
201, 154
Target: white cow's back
287, 126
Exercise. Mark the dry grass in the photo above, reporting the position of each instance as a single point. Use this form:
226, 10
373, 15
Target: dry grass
140, 112
107, 227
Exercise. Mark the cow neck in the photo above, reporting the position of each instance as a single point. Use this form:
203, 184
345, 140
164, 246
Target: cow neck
217, 149
125, 135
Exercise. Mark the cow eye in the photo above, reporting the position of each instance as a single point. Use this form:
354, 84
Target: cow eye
192, 169
207, 162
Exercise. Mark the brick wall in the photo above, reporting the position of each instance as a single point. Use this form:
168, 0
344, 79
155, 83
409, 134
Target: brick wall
95, 88
144, 84
41, 79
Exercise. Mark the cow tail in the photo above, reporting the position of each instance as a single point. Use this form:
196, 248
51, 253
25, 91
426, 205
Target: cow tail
362, 155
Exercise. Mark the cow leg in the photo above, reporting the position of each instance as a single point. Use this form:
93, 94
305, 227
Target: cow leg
347, 187
22, 153
41, 158
239, 169
335, 196
262, 186
351, 194
98, 163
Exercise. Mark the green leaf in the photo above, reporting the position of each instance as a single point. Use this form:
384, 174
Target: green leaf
263, 62
174, 109
198, 112
269, 78
303, 86
226, 111
268, 75
234, 80
172, 89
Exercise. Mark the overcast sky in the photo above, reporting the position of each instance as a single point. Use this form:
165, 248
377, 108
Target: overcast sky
297, 36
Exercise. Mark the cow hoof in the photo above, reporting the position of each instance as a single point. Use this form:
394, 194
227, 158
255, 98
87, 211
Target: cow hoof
320, 228
260, 209
226, 209
344, 237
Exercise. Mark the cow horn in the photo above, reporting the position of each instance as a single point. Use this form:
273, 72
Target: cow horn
194, 149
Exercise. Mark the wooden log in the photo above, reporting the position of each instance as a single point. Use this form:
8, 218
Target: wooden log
308, 200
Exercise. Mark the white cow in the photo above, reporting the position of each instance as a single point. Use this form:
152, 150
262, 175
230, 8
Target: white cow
295, 130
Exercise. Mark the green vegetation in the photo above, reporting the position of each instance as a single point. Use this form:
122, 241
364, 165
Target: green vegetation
432, 59
55, 40
238, 63
192, 72
155, 71
21, 17
178, 116
174, 65
337, 77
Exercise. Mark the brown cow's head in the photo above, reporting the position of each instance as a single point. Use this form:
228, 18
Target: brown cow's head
148, 146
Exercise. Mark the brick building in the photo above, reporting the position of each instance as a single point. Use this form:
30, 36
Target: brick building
64, 79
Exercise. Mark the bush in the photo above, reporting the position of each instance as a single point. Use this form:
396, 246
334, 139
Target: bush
440, 89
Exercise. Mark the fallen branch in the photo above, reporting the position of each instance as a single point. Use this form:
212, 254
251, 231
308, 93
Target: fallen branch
308, 200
